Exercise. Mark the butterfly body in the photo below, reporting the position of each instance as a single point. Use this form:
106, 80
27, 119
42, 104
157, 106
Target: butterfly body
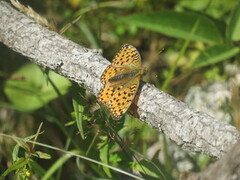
125, 77
121, 80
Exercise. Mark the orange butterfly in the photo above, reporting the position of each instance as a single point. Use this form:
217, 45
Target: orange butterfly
121, 80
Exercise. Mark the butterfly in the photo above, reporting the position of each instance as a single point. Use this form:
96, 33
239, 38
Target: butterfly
121, 81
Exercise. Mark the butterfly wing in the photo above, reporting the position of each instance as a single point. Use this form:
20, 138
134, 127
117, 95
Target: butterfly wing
111, 72
127, 55
118, 96
107, 92
122, 99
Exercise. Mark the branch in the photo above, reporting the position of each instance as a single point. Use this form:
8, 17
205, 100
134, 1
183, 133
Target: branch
225, 169
193, 130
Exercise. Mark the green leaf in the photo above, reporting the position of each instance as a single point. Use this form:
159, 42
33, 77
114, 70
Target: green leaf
79, 109
70, 123
215, 54
16, 165
15, 152
42, 155
79, 105
29, 91
178, 25
233, 30
150, 169
115, 158
22, 144
104, 156
37, 134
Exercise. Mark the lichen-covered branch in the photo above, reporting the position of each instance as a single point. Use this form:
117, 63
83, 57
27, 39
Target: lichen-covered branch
193, 130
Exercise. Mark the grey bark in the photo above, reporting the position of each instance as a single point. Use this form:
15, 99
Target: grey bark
194, 131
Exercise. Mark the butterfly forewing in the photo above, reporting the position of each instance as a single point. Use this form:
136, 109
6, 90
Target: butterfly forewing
120, 84
127, 55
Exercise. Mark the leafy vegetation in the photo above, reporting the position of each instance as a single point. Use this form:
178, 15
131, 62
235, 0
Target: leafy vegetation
79, 140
